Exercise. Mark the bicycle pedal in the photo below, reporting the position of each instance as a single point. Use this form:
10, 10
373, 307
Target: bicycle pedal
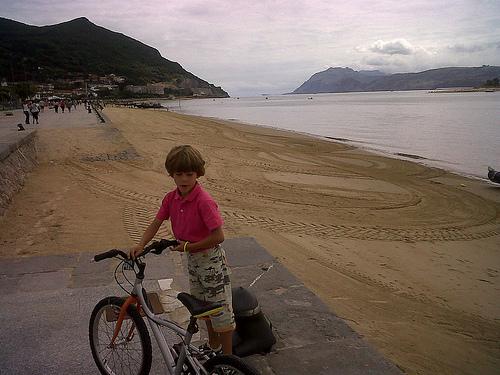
206, 350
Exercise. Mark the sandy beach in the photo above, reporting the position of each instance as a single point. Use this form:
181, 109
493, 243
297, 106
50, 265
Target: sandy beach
408, 255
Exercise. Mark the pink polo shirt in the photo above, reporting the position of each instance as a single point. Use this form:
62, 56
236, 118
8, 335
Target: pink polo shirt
192, 217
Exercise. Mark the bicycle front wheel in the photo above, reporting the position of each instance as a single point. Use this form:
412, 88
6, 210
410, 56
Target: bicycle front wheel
228, 364
131, 352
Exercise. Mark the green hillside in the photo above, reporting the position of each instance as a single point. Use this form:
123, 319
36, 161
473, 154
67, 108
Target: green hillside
77, 48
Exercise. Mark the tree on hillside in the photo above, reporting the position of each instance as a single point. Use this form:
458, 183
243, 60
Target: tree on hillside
4, 94
7, 98
24, 90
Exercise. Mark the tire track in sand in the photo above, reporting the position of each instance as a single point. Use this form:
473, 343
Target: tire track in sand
141, 208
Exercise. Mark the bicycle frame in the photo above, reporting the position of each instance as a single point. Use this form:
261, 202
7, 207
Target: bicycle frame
137, 298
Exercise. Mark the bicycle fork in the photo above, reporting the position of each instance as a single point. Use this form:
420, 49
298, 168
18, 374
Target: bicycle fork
131, 300
136, 300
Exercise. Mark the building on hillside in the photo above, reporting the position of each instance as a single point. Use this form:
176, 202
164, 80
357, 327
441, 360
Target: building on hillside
150, 88
47, 88
110, 79
116, 79
102, 87
201, 91
43, 91
136, 89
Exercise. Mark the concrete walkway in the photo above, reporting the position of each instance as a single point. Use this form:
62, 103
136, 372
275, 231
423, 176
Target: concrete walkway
10, 137
47, 301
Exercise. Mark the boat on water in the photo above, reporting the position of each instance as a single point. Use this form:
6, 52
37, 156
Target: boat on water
493, 175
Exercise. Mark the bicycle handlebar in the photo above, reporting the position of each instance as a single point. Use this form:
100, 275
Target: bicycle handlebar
156, 247
109, 254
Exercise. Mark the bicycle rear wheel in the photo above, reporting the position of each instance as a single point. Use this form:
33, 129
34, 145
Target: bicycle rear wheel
228, 365
131, 353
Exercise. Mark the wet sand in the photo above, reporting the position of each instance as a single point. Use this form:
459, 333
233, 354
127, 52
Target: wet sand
407, 255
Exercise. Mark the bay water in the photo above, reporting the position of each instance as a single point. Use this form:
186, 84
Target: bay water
459, 132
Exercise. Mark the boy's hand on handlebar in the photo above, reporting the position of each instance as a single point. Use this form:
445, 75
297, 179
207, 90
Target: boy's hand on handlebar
179, 247
135, 251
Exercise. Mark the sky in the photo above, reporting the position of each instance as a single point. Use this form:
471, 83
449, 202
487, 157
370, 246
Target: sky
258, 47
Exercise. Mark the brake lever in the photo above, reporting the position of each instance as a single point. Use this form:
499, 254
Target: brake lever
162, 245
128, 265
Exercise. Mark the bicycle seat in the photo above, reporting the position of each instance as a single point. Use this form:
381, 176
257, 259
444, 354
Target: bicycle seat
197, 307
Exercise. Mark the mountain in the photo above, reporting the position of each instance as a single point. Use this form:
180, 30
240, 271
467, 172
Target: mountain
349, 80
337, 80
78, 48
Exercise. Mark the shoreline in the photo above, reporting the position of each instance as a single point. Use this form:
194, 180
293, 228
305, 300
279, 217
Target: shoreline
393, 247
461, 90
357, 144
417, 159
473, 160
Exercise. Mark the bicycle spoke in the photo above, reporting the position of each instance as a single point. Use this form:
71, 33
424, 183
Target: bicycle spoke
129, 364
126, 355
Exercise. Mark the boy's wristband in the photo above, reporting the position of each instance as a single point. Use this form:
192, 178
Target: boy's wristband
185, 246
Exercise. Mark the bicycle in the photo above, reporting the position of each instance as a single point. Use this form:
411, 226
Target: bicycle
120, 341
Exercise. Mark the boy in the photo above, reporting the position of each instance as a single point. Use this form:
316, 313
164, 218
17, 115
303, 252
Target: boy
197, 226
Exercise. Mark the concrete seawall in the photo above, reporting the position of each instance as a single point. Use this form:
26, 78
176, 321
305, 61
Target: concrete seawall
18, 157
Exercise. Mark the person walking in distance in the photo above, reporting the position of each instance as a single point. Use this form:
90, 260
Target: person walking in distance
35, 110
26, 111
197, 225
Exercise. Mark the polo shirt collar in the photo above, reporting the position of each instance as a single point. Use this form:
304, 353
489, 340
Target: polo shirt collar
192, 194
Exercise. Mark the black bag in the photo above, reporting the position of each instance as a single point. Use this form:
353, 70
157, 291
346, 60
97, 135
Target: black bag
253, 333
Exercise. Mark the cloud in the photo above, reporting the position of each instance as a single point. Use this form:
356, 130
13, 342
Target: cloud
376, 61
386, 64
392, 47
472, 48
398, 55
270, 45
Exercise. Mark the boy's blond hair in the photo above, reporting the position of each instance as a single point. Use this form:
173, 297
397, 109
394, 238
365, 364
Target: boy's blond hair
185, 158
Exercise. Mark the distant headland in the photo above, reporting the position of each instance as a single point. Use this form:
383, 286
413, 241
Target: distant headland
338, 79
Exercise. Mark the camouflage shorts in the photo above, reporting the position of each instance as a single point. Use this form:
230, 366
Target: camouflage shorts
209, 281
